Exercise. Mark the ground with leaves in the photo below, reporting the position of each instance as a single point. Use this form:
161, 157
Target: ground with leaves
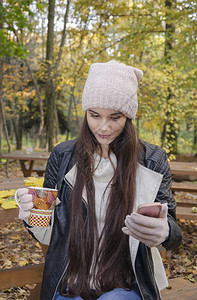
18, 248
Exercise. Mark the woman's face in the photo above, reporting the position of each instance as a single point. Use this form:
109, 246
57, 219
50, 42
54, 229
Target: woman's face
105, 124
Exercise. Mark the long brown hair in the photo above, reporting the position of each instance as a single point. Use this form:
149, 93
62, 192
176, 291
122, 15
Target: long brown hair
110, 261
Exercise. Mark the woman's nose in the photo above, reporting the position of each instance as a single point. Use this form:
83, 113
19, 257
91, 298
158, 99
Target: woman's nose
104, 126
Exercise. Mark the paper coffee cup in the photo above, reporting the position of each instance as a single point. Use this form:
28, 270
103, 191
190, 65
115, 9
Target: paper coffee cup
40, 218
43, 198
44, 202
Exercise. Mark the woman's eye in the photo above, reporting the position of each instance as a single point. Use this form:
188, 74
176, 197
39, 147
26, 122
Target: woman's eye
94, 116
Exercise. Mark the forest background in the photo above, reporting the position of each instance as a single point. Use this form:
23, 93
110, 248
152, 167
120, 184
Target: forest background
46, 49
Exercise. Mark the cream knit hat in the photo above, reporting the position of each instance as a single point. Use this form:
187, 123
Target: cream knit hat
112, 85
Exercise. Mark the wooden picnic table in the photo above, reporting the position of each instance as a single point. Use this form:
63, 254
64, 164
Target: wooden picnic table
25, 158
183, 170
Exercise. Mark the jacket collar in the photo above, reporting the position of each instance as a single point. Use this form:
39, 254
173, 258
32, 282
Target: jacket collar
147, 184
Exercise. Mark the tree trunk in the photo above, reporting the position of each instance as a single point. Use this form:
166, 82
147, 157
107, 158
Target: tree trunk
51, 110
169, 134
52, 73
41, 127
17, 134
2, 118
63, 38
1, 84
163, 135
69, 112
195, 139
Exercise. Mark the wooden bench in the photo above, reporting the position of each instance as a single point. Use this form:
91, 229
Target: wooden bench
183, 170
20, 276
11, 183
29, 274
185, 212
8, 215
184, 186
184, 209
180, 289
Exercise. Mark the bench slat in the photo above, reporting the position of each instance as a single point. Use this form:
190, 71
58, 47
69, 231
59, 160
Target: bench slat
11, 183
183, 212
181, 289
21, 276
184, 187
8, 215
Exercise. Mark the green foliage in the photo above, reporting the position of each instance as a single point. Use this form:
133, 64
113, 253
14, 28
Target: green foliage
14, 19
159, 39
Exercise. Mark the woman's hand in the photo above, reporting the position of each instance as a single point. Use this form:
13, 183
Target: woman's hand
26, 204
150, 231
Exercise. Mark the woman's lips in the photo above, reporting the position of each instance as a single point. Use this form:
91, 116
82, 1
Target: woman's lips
103, 136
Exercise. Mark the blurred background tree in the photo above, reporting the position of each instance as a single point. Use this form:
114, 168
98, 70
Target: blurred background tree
47, 49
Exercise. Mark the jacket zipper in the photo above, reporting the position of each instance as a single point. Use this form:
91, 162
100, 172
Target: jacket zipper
70, 185
137, 279
59, 281
138, 283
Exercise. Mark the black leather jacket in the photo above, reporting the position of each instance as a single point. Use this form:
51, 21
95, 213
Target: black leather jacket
60, 162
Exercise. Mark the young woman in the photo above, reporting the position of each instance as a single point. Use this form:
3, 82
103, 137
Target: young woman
99, 246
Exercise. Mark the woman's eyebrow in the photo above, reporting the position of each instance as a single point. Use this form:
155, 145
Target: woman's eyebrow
93, 111
119, 113
114, 114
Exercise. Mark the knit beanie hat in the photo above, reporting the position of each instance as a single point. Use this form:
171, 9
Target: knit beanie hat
112, 85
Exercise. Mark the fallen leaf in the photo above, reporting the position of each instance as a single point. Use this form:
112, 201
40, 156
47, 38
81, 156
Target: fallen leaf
15, 237
34, 181
30, 286
7, 263
23, 262
8, 204
5, 193
38, 245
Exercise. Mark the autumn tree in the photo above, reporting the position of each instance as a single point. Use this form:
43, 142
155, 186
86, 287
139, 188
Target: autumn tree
12, 19
158, 37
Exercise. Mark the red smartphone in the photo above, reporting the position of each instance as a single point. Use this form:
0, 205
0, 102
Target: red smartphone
150, 209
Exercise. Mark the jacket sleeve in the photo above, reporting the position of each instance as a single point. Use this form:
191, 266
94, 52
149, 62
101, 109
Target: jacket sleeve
53, 164
165, 195
43, 234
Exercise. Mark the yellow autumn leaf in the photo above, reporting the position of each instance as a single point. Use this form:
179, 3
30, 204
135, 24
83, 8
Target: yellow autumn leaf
34, 181
23, 262
30, 179
7, 204
38, 245
5, 194
15, 237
